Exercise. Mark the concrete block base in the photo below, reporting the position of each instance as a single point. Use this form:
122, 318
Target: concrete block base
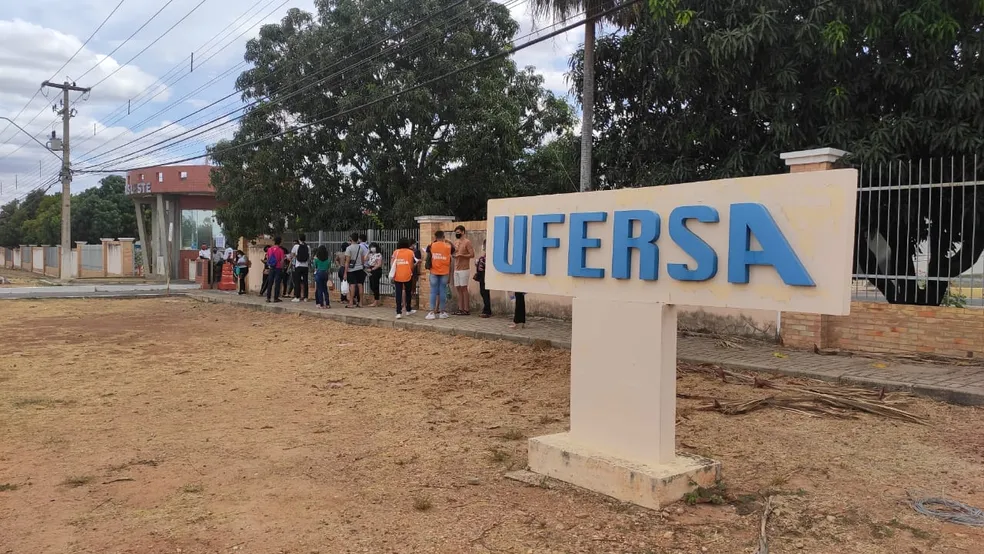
650, 486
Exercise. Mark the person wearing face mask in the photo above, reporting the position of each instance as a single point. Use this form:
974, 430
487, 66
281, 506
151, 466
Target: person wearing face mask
374, 267
464, 252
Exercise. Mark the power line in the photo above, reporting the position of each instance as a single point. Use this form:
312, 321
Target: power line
120, 45
348, 68
235, 93
171, 28
64, 65
162, 89
505, 52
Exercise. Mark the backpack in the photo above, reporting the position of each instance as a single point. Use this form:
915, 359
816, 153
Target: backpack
303, 253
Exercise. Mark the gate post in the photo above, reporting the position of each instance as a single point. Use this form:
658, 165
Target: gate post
797, 329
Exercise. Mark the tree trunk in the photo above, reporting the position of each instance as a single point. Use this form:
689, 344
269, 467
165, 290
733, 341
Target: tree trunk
587, 104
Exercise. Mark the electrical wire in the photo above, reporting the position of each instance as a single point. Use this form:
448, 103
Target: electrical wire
310, 76
128, 39
504, 53
64, 65
223, 119
155, 41
170, 84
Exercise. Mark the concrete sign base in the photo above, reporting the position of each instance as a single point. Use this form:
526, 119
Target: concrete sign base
623, 408
648, 485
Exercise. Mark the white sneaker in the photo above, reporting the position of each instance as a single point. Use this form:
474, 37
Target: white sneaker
296, 300
430, 315
399, 316
411, 312
444, 315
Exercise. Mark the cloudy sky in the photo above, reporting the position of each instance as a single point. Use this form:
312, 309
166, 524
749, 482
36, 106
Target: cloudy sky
37, 38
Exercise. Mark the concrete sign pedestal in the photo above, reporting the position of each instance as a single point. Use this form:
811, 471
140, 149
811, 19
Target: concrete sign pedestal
627, 257
623, 408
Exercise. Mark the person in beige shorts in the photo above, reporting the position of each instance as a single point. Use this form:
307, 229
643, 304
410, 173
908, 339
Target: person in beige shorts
464, 252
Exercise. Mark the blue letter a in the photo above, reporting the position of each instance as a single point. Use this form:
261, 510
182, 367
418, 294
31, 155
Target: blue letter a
500, 244
748, 219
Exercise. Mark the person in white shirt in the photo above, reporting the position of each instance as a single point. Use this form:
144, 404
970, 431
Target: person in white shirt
229, 254
204, 253
301, 256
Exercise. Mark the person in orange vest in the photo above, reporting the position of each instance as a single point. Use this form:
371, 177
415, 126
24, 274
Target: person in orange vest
402, 264
438, 261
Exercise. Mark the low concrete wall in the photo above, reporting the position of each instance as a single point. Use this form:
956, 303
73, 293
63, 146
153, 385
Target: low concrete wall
891, 328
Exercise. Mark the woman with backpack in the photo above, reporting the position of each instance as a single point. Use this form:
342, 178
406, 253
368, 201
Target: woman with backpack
301, 254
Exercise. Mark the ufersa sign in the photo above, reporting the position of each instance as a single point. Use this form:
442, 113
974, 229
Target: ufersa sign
139, 188
779, 242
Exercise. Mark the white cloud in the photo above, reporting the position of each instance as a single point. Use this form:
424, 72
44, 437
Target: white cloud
37, 37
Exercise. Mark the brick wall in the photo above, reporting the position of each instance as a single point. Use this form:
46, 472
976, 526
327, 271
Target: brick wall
891, 328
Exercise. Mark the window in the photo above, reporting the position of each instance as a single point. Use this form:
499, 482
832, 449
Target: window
184, 175
141, 177
128, 178
160, 176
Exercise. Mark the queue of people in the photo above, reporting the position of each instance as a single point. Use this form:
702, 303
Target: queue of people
359, 263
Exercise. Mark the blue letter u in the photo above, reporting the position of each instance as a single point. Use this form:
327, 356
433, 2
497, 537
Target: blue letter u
500, 244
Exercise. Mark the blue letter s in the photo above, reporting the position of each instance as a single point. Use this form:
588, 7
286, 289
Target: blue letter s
694, 246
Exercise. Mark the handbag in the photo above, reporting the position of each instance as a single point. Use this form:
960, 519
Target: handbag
345, 288
392, 272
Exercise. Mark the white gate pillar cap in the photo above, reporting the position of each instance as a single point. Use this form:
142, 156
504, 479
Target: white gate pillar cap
434, 218
815, 156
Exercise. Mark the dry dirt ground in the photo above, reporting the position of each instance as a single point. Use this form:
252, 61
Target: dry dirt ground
164, 426
18, 278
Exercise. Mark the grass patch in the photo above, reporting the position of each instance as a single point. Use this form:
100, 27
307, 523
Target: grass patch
8, 487
422, 504
512, 435
77, 481
498, 455
38, 402
716, 495
193, 488
916, 532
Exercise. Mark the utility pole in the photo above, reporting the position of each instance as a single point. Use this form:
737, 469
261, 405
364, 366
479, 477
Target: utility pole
66, 176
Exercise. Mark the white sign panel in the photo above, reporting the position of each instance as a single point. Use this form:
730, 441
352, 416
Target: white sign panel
778, 242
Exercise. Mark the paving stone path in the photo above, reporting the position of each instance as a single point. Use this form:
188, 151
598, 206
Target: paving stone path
955, 383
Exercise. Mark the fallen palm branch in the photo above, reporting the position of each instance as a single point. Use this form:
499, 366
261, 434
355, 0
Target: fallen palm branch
814, 400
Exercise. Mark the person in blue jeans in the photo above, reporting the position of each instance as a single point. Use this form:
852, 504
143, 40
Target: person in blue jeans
322, 269
275, 260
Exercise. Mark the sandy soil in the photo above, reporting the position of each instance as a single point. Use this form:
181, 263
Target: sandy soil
164, 425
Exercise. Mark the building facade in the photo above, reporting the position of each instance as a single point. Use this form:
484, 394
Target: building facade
182, 205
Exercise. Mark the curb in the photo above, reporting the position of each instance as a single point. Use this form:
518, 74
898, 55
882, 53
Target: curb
950, 396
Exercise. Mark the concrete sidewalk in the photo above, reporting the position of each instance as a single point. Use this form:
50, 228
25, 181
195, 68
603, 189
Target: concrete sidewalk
95, 291
957, 384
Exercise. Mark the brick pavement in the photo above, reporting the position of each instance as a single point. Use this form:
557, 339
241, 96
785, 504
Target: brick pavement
958, 384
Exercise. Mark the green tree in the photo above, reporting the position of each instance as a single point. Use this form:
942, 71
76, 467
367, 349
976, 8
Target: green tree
708, 89
45, 227
443, 148
562, 10
103, 212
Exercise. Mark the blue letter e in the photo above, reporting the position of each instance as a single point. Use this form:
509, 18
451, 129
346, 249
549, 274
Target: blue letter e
500, 246
748, 219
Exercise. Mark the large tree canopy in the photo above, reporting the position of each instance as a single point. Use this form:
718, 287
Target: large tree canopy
445, 147
708, 89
